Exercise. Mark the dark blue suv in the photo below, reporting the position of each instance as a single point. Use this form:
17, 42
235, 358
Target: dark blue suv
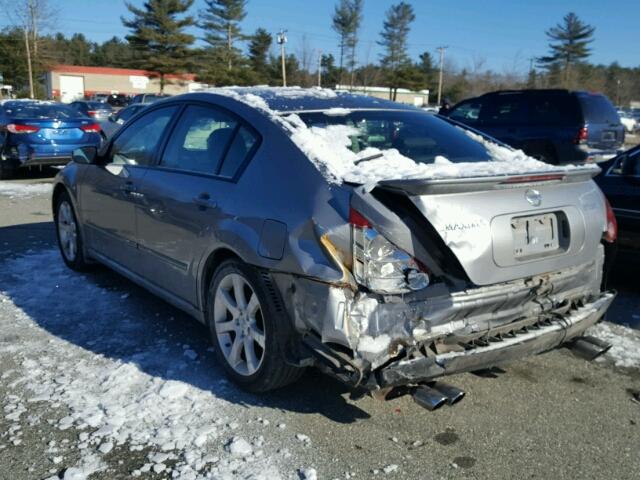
555, 126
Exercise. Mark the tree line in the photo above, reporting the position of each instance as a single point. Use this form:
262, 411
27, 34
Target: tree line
171, 37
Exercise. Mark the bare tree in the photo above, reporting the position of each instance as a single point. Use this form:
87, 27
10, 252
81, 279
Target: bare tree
32, 17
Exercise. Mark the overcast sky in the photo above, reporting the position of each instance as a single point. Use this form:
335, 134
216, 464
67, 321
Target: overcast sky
505, 34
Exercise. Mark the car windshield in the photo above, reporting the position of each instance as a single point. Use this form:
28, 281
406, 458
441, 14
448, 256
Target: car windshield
40, 111
417, 135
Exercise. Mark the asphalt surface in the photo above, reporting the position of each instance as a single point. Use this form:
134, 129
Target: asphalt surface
551, 416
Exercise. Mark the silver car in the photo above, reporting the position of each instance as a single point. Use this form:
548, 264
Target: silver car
386, 246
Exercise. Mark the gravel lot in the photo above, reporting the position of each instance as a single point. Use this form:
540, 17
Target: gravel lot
99, 378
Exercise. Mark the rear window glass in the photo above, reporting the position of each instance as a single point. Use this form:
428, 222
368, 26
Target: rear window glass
98, 106
416, 135
598, 109
33, 111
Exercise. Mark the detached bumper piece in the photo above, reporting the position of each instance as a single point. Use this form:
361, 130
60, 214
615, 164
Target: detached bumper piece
499, 350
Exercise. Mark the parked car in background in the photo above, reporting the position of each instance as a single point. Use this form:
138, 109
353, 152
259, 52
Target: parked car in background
459, 254
620, 182
118, 100
628, 121
99, 97
555, 126
119, 118
100, 111
148, 97
42, 133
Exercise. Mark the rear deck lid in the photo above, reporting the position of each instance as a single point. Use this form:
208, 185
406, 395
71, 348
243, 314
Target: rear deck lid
511, 227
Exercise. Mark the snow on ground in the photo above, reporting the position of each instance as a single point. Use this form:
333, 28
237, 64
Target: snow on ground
625, 343
24, 190
86, 348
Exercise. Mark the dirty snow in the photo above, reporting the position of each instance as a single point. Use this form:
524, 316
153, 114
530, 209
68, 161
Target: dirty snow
85, 349
625, 343
328, 148
24, 190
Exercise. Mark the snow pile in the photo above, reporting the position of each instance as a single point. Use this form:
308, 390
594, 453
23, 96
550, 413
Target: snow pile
24, 190
328, 147
625, 343
122, 387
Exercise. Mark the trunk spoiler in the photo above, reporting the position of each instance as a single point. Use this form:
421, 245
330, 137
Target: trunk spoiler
421, 186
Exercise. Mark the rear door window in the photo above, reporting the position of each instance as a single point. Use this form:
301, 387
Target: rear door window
200, 140
598, 109
553, 110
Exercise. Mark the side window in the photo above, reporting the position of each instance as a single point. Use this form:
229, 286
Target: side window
241, 147
504, 110
138, 141
467, 112
200, 141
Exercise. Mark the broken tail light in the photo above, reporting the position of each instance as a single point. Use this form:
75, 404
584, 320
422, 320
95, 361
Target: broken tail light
14, 128
381, 266
611, 233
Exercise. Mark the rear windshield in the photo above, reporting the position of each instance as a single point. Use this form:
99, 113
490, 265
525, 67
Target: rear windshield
98, 106
417, 135
598, 109
40, 112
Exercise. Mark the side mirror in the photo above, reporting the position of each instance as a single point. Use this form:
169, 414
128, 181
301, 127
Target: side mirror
84, 155
112, 118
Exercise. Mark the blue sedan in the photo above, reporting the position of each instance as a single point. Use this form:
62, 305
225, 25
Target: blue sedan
39, 133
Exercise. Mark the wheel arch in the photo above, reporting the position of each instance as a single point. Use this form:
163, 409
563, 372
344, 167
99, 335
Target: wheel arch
213, 260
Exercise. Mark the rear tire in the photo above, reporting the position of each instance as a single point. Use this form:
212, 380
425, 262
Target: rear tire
247, 331
69, 234
7, 171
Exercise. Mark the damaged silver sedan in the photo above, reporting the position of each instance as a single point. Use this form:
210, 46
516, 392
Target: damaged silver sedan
385, 246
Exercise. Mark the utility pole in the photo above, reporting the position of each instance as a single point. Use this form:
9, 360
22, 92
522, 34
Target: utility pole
29, 70
320, 69
282, 39
441, 51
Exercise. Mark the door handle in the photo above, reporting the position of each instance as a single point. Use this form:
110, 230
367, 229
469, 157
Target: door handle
205, 201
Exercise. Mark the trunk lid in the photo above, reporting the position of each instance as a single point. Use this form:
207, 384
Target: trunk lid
510, 227
57, 132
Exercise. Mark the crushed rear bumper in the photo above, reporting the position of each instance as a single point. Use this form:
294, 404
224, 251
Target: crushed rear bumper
526, 342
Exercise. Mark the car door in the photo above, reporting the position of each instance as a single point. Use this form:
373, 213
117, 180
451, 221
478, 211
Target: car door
184, 196
110, 189
621, 185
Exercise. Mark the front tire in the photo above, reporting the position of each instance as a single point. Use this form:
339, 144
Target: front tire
247, 332
68, 234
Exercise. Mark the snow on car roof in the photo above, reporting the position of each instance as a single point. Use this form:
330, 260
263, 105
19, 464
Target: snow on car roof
328, 147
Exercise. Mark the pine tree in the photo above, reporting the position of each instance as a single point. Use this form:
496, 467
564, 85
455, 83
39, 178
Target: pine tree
355, 7
569, 45
395, 61
343, 23
220, 21
259, 47
158, 36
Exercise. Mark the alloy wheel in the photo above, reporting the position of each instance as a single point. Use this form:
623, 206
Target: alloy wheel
67, 231
239, 324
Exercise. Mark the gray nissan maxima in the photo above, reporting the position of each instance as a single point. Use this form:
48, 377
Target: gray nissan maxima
386, 246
